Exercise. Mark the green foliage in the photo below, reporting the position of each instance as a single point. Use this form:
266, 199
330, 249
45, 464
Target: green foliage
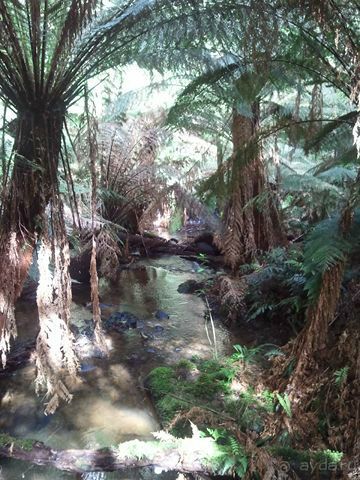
312, 460
214, 378
276, 288
285, 403
340, 376
161, 381
174, 392
185, 364
245, 354
232, 458
7, 440
176, 221
325, 246
227, 457
167, 408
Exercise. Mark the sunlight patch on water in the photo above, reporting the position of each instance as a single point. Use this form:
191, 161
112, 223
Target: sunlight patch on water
103, 421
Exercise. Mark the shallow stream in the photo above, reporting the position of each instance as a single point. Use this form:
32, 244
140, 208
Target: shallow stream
110, 404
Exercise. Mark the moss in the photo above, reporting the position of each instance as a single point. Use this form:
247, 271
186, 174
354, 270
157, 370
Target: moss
137, 449
24, 444
321, 457
206, 386
209, 366
330, 457
214, 379
186, 365
161, 381
168, 407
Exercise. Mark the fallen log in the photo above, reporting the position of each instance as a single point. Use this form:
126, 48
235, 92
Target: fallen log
143, 246
183, 455
197, 455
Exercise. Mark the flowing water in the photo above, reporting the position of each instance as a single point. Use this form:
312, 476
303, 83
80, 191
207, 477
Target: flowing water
110, 404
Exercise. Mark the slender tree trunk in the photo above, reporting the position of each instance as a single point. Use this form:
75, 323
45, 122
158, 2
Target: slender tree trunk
252, 219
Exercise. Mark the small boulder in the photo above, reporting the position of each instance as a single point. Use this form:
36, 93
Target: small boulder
159, 329
161, 315
190, 286
121, 321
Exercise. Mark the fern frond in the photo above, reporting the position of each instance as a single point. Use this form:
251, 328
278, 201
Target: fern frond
325, 247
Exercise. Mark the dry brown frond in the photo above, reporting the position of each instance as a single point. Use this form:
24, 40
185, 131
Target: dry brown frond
55, 354
231, 294
12, 276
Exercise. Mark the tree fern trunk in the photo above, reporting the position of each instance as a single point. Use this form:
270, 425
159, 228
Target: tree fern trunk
251, 217
33, 179
311, 349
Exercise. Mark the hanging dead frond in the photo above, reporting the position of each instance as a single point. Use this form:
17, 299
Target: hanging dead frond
56, 360
12, 276
231, 293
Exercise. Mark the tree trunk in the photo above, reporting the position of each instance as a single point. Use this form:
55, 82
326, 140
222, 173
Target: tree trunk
252, 219
32, 181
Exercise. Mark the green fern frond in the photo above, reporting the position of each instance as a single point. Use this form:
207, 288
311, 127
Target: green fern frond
341, 375
346, 122
294, 182
325, 247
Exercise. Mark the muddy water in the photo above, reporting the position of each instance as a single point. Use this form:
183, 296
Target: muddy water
110, 404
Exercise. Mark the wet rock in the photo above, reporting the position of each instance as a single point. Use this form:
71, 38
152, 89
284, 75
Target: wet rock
121, 321
205, 244
151, 350
85, 347
161, 315
146, 335
135, 359
140, 324
158, 329
86, 367
75, 329
203, 247
190, 286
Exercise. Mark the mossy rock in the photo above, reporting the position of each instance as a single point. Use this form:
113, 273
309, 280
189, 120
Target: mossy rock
161, 381
186, 365
188, 383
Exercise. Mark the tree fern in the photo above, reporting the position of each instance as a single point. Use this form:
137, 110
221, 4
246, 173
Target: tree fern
324, 248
